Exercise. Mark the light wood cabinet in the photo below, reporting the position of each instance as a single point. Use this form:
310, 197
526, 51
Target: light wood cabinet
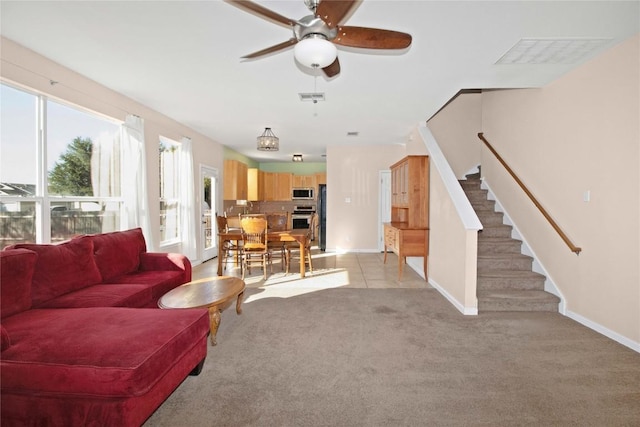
410, 191
235, 180
284, 186
321, 178
275, 186
253, 184
304, 181
408, 232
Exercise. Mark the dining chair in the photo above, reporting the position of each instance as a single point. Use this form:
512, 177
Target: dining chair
254, 248
231, 251
233, 221
293, 250
278, 221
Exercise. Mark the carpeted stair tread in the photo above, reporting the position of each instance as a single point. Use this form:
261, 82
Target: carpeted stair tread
504, 261
509, 273
495, 230
509, 279
498, 245
516, 300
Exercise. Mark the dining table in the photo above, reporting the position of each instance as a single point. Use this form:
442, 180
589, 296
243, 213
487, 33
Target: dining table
294, 235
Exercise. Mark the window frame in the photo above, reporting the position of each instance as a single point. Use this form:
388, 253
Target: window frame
42, 199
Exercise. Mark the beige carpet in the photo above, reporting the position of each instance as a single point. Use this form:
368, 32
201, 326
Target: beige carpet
403, 357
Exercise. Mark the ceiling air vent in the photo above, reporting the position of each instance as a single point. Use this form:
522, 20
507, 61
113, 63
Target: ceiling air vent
312, 96
552, 51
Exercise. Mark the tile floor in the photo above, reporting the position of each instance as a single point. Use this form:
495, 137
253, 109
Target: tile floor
330, 270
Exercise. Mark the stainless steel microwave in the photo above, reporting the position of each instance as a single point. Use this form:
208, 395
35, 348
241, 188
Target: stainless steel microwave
302, 194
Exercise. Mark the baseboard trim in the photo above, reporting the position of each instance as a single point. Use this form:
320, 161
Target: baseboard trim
633, 345
467, 311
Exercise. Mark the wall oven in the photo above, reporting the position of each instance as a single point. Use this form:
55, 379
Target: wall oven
301, 217
302, 194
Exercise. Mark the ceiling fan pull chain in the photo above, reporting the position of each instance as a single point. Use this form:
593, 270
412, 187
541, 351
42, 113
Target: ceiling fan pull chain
315, 91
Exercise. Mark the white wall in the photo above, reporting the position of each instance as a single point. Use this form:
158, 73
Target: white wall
26, 68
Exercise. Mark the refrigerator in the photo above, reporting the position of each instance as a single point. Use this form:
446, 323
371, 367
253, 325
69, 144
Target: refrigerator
322, 216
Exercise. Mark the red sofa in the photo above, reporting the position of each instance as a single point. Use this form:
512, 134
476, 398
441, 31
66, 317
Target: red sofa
81, 344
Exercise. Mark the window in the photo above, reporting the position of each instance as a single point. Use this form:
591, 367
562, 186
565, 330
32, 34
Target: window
169, 191
59, 183
18, 166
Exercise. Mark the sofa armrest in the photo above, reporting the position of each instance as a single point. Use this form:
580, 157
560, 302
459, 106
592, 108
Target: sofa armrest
159, 261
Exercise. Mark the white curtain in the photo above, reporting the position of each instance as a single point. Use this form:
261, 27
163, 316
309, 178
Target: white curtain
134, 178
105, 176
187, 200
104, 181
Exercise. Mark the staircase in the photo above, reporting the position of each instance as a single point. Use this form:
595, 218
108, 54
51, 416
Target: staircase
506, 281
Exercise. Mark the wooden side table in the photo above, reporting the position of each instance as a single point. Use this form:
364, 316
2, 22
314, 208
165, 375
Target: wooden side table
214, 293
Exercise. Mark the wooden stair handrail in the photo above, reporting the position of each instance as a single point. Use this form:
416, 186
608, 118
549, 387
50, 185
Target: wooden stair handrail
524, 188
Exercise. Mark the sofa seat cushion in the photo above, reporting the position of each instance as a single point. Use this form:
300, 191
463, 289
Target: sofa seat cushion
100, 352
118, 253
126, 295
159, 282
16, 267
62, 268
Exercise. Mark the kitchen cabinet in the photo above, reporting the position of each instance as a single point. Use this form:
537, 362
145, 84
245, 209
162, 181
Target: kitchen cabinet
253, 187
284, 184
408, 232
321, 178
275, 186
304, 181
235, 180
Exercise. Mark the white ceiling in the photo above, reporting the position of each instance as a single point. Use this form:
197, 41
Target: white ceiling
182, 58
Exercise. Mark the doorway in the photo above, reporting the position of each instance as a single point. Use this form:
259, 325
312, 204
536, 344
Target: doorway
384, 215
208, 208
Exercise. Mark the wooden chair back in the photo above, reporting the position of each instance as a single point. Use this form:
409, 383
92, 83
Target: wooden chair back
278, 221
313, 223
221, 221
254, 233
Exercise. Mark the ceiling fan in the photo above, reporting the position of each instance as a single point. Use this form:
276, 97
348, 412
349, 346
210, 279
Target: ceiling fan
315, 36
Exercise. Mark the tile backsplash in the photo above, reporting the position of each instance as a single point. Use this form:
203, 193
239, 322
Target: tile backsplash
231, 208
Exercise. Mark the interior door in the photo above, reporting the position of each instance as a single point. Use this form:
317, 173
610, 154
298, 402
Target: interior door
208, 207
385, 205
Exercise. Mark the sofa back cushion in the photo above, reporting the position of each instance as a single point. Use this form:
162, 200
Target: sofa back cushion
16, 272
119, 252
62, 268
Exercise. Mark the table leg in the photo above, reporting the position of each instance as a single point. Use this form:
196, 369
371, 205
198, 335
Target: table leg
239, 302
302, 259
220, 255
214, 322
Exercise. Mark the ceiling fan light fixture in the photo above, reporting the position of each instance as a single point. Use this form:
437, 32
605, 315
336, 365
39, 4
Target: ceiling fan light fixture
268, 141
315, 51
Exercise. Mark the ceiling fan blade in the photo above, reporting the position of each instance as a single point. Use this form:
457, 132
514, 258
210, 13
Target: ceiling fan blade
371, 38
262, 11
332, 69
275, 48
334, 12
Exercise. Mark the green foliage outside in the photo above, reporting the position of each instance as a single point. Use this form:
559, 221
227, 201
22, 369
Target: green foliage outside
71, 174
